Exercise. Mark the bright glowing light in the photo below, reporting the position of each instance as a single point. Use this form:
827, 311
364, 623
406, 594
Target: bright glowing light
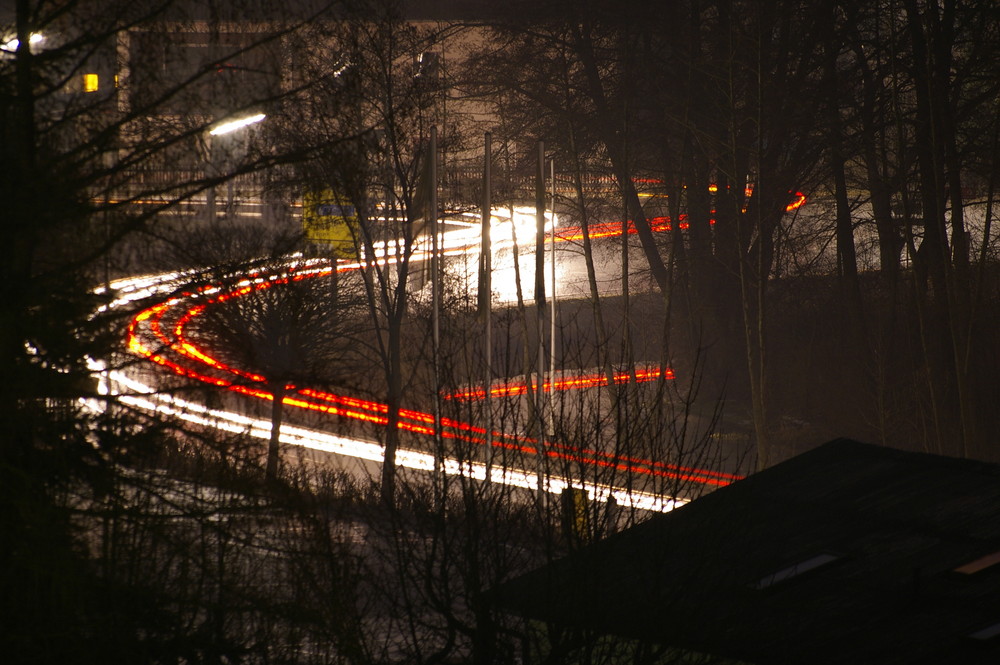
520, 222
233, 125
800, 200
11, 45
159, 334
147, 398
90, 83
565, 382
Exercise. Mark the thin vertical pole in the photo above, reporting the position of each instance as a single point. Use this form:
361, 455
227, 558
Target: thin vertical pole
435, 293
486, 293
435, 304
540, 311
552, 308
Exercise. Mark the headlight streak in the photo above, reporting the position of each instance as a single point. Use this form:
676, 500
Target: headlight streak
190, 305
143, 397
149, 326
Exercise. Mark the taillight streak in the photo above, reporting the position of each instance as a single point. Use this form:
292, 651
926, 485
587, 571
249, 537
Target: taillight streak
180, 343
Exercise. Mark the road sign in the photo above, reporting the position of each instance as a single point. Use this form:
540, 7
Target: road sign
329, 218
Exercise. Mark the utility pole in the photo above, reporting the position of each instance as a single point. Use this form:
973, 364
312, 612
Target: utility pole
540, 316
436, 313
552, 309
486, 294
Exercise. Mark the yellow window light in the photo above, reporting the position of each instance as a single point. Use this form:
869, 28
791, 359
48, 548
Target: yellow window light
90, 82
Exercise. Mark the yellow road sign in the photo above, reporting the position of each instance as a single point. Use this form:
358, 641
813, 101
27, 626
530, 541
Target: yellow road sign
331, 219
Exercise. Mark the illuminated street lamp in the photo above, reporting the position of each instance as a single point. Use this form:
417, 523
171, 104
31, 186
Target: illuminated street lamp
222, 129
239, 123
10, 46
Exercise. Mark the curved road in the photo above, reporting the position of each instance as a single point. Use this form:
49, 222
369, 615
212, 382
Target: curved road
161, 334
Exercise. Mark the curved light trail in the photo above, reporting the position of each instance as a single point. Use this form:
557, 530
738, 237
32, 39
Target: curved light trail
146, 336
565, 382
161, 334
656, 224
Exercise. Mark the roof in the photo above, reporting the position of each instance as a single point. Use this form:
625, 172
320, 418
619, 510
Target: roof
845, 554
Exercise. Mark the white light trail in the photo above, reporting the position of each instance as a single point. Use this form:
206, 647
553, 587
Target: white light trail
144, 397
139, 395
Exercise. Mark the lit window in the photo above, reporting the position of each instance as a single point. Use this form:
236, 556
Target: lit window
794, 571
982, 563
90, 83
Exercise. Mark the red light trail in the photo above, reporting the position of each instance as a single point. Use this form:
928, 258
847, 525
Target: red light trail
515, 388
161, 334
656, 224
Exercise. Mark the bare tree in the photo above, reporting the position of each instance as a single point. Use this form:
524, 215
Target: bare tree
100, 140
384, 93
284, 333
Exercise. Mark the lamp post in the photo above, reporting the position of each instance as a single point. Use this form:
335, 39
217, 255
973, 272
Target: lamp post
224, 128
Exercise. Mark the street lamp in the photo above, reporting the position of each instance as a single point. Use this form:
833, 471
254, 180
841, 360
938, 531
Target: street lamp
222, 129
239, 123
10, 46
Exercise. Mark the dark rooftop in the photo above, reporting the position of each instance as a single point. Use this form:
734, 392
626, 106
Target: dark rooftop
850, 553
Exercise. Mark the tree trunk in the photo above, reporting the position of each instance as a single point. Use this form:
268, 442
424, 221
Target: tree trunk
873, 140
393, 400
277, 413
847, 259
609, 137
588, 259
